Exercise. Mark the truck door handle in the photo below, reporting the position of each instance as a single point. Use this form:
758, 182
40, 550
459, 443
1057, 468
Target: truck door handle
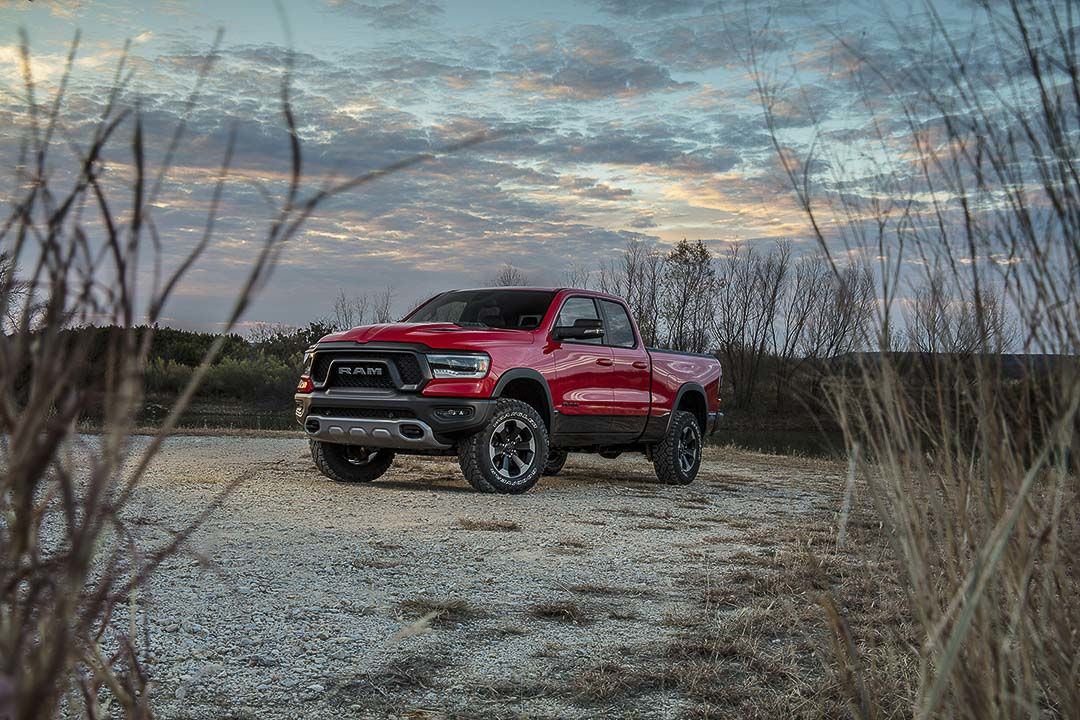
641, 364
606, 362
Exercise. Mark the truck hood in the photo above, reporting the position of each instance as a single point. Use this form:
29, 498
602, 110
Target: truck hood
440, 336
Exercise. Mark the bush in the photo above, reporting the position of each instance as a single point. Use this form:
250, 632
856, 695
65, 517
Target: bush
258, 378
167, 377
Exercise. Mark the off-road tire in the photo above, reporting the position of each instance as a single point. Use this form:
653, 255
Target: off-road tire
556, 460
669, 455
332, 460
474, 452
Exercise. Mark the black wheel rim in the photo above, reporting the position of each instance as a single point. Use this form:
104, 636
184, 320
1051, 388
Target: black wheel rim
689, 450
512, 449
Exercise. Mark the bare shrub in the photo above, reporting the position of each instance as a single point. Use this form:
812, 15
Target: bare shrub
71, 559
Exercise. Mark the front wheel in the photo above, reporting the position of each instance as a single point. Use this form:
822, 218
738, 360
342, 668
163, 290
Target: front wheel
508, 454
350, 463
677, 457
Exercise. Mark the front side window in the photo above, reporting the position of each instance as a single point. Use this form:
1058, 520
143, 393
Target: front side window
577, 308
497, 308
618, 330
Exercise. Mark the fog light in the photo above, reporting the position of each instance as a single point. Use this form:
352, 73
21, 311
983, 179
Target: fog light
412, 432
312, 426
453, 413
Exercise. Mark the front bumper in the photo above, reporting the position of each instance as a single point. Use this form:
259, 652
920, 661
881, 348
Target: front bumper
398, 421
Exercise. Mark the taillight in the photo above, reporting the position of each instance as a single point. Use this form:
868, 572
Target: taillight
305, 385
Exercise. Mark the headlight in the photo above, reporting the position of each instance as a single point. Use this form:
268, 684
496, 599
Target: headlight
309, 356
471, 365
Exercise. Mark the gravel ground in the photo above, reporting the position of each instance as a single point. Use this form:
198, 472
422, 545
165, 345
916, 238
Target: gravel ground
312, 601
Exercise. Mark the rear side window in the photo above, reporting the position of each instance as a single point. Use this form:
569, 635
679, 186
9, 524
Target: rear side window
618, 331
576, 308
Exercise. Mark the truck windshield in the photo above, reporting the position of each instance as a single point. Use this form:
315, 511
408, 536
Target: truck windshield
516, 309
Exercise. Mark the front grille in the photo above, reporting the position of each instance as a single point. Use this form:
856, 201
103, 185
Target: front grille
408, 368
364, 413
383, 381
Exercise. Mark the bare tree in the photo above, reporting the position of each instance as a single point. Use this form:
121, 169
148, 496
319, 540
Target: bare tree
384, 306
510, 276
262, 332
577, 276
751, 286
637, 276
70, 555
942, 319
19, 299
801, 296
350, 312
689, 280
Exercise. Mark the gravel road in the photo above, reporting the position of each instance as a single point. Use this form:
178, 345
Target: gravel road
314, 600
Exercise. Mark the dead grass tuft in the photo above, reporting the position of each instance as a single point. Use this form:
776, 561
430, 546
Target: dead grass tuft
489, 525
563, 611
445, 611
375, 690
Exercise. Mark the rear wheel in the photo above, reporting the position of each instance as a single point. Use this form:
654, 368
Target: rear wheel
555, 461
509, 453
677, 457
350, 463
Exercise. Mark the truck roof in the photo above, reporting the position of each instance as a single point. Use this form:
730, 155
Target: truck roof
597, 293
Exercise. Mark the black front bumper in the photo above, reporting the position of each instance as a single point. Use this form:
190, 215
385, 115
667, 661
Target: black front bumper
392, 420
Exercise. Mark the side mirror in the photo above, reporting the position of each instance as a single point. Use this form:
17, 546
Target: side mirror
582, 329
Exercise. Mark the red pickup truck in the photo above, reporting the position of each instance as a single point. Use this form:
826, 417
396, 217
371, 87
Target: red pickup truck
510, 380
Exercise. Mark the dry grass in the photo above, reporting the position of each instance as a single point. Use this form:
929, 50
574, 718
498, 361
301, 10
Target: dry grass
562, 611
380, 690
752, 641
489, 525
442, 610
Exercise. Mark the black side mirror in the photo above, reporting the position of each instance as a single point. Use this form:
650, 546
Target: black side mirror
582, 329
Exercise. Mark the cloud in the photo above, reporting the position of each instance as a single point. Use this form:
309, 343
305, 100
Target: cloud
588, 62
649, 9
391, 14
59, 8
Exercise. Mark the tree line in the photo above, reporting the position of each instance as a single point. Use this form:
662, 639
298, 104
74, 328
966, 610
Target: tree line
776, 319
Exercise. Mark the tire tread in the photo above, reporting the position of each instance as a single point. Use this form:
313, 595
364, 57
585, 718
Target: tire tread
663, 453
327, 466
471, 450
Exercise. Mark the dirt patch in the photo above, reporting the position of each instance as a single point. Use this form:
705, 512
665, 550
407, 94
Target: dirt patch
598, 593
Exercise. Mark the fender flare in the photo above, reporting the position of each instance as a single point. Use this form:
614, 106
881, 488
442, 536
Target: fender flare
690, 387
529, 374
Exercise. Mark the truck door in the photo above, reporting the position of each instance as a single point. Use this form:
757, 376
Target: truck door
631, 375
581, 391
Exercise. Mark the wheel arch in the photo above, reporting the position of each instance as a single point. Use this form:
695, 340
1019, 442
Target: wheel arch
691, 398
530, 387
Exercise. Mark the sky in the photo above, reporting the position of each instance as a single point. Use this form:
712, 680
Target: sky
616, 120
